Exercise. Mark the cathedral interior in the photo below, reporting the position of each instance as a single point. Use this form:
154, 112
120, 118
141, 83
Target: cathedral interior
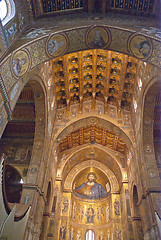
80, 120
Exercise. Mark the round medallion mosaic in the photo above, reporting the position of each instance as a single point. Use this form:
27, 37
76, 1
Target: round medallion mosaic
98, 37
140, 46
20, 63
56, 45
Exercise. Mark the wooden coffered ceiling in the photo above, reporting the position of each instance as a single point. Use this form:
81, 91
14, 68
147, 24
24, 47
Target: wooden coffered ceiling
94, 75
93, 134
22, 124
134, 7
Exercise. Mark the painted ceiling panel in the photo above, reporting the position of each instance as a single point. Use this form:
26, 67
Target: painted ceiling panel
135, 7
93, 134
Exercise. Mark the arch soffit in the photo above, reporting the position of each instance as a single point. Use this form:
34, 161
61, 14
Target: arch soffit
36, 84
19, 85
107, 157
89, 120
147, 127
151, 87
149, 103
115, 33
65, 157
68, 183
15, 168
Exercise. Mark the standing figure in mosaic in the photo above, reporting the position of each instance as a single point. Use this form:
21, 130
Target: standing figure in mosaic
100, 110
90, 214
74, 210
78, 212
79, 236
108, 235
117, 207
72, 234
100, 214
112, 113
65, 205
117, 233
101, 236
81, 213
62, 233
27, 199
107, 212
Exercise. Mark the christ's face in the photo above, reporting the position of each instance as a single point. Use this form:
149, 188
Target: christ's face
91, 178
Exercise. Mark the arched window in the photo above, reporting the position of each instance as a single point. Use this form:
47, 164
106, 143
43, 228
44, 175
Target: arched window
3, 9
135, 201
90, 235
7, 10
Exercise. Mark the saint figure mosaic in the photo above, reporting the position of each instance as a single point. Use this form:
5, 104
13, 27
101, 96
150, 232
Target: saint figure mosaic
20, 63
140, 46
57, 45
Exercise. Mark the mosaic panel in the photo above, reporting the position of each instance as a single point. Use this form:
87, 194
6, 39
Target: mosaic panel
7, 77
156, 54
77, 39
37, 51
119, 40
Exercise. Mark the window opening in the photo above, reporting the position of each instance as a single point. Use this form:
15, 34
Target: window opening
7, 11
3, 9
90, 235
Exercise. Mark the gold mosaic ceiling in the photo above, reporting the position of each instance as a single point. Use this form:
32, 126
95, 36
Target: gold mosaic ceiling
94, 74
93, 134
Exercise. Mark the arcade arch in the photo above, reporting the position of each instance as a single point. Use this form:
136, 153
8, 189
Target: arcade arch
23, 139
